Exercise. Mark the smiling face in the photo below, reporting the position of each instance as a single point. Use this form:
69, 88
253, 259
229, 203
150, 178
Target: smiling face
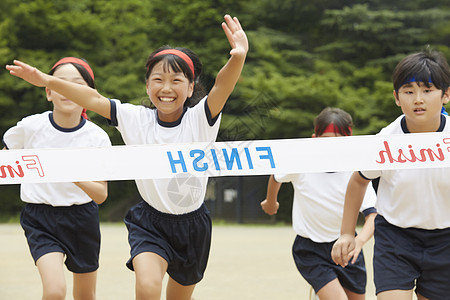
421, 105
168, 90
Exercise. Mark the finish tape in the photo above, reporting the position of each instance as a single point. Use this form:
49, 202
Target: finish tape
237, 158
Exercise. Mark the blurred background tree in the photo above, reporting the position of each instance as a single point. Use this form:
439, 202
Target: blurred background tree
304, 56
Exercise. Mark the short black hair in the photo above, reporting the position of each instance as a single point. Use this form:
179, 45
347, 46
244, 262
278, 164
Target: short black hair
428, 66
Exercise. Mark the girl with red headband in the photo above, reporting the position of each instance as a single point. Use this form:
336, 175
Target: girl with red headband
60, 220
316, 218
170, 230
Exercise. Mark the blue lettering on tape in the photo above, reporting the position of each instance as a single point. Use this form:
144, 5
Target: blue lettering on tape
231, 158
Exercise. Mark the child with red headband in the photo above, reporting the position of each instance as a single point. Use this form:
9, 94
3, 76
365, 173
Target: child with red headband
170, 230
412, 228
61, 220
316, 218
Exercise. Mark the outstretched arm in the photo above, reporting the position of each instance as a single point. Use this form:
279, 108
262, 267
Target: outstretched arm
270, 205
229, 74
343, 247
84, 96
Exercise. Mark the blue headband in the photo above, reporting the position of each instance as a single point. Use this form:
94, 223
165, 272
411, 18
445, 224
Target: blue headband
412, 79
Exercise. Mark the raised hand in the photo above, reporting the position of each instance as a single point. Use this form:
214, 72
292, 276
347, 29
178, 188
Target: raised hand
236, 36
27, 73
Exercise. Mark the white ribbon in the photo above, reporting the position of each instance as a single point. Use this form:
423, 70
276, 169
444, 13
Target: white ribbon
237, 158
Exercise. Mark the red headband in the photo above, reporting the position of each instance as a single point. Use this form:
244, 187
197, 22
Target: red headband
75, 60
181, 55
334, 129
81, 62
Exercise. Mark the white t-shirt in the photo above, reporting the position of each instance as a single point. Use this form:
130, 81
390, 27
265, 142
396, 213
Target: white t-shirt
319, 203
40, 131
417, 198
140, 125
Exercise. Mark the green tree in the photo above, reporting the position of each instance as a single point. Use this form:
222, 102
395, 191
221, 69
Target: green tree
304, 56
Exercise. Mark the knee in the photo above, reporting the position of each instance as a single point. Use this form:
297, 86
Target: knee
84, 295
54, 292
148, 289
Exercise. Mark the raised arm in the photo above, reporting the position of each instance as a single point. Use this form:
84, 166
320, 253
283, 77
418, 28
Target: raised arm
270, 205
342, 249
83, 95
229, 74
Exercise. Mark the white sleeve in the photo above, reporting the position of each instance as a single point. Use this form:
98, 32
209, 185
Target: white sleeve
285, 177
370, 174
14, 137
131, 121
200, 118
103, 138
369, 200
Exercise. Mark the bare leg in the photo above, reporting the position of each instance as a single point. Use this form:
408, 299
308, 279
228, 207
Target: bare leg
176, 291
84, 286
395, 295
51, 269
149, 269
354, 296
332, 291
420, 297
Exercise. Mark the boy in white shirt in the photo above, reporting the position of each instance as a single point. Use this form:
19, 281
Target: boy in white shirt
412, 229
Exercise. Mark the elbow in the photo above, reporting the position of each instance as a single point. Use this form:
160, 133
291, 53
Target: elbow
371, 217
102, 194
100, 201
101, 198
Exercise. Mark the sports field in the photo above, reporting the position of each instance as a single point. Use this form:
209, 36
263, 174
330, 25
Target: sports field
246, 262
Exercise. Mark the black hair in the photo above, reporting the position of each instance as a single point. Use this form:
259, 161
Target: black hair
341, 119
83, 72
177, 64
428, 66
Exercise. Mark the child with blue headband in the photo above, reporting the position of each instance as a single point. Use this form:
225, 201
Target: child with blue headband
412, 228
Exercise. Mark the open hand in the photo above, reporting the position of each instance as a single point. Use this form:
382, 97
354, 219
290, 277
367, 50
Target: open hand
236, 36
27, 73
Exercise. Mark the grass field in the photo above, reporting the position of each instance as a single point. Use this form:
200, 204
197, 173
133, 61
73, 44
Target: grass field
246, 262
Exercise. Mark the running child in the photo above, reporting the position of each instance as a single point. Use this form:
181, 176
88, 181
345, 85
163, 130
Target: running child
317, 215
412, 229
61, 220
170, 230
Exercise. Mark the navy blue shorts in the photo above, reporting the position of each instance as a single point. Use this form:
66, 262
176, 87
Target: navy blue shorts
408, 257
183, 241
313, 261
73, 230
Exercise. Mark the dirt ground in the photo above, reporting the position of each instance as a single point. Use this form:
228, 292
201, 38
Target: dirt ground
246, 262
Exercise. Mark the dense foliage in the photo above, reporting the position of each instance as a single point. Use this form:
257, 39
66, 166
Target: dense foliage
304, 56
